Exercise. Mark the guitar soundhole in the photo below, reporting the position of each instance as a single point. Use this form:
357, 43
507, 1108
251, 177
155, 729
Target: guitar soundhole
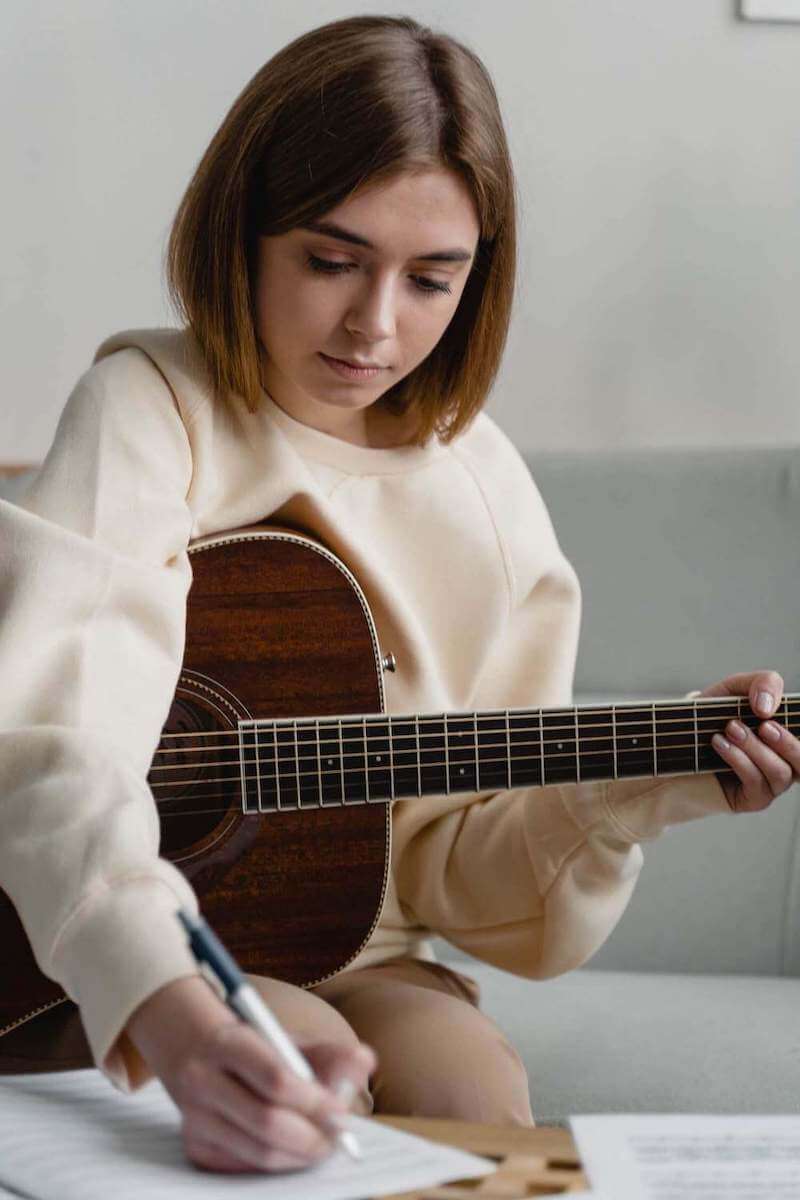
195, 776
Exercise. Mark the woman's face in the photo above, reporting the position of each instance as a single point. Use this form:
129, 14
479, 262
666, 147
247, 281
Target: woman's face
383, 294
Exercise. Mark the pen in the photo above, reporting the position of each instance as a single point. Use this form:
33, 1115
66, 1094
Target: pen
243, 998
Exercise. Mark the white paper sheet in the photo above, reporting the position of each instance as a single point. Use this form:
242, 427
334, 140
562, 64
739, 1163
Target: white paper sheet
72, 1136
673, 1157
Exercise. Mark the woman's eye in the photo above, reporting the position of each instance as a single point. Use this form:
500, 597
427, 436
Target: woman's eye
424, 285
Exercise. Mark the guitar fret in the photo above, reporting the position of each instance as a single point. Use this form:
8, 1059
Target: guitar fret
330, 779
524, 753
258, 769
463, 752
308, 783
595, 754
297, 763
614, 738
477, 760
655, 739
341, 761
541, 743
446, 759
277, 771
250, 802
319, 767
508, 750
403, 775
491, 764
676, 746
696, 739
722, 712
577, 750
366, 756
379, 759
635, 753
354, 766
561, 765
419, 758
241, 767
391, 759
288, 779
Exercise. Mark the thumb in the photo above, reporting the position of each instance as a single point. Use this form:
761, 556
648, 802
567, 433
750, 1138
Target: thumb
763, 689
345, 1070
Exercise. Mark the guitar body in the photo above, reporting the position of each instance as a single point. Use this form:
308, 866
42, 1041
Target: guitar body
276, 767
276, 627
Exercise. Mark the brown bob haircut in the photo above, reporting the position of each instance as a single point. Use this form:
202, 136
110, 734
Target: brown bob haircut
350, 104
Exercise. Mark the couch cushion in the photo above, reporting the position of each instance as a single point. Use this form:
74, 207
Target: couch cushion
715, 896
689, 561
14, 483
718, 896
612, 1041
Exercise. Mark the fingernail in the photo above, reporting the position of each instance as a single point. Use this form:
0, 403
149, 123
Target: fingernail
346, 1090
765, 702
720, 742
737, 731
771, 732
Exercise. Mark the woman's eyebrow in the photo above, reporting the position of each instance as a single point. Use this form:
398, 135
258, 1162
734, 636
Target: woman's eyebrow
344, 235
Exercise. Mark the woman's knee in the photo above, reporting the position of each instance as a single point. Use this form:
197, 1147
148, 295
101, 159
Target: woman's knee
444, 1058
309, 1018
303, 1014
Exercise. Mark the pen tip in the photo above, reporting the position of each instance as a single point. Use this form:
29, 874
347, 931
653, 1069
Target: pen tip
187, 919
349, 1143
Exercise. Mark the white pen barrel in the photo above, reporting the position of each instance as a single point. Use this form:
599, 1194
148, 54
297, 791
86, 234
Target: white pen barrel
249, 1005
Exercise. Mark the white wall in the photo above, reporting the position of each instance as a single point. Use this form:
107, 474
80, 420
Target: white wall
657, 145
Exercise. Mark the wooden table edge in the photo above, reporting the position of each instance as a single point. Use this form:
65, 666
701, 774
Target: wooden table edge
551, 1144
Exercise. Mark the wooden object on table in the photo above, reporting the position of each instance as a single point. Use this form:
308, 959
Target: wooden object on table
532, 1162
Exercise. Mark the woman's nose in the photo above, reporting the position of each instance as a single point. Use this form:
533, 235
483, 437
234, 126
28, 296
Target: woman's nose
373, 314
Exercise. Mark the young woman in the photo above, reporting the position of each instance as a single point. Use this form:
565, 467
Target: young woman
355, 207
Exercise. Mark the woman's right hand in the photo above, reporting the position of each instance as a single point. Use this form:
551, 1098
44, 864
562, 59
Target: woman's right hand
243, 1109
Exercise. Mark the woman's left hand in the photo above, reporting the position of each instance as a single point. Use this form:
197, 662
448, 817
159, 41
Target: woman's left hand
765, 761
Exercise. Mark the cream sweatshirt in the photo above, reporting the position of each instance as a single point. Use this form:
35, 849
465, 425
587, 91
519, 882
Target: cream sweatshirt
469, 589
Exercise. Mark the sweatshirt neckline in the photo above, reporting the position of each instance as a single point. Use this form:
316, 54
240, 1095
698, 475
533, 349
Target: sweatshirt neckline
349, 458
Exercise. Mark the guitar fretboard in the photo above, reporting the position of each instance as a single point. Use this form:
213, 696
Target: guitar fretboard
322, 762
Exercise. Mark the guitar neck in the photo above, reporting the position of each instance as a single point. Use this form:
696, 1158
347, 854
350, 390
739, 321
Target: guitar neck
334, 761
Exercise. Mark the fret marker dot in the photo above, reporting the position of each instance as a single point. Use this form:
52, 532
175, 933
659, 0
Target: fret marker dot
561, 745
330, 762
378, 759
635, 741
461, 771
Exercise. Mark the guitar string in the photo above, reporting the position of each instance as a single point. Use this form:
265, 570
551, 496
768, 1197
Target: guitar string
469, 751
315, 805
291, 774
521, 763
389, 731
354, 734
793, 700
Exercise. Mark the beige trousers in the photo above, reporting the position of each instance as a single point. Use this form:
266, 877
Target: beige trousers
438, 1054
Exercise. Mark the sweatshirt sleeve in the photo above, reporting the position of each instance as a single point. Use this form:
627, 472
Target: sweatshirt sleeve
533, 879
94, 575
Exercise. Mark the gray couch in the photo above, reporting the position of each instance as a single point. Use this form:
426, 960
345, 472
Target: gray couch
690, 564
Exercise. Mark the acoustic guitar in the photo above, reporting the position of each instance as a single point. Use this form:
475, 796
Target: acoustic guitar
277, 767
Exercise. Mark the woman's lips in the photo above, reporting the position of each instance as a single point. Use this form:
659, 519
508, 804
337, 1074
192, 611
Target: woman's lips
347, 371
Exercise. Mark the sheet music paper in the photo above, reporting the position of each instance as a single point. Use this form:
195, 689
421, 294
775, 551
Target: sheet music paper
72, 1136
672, 1157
